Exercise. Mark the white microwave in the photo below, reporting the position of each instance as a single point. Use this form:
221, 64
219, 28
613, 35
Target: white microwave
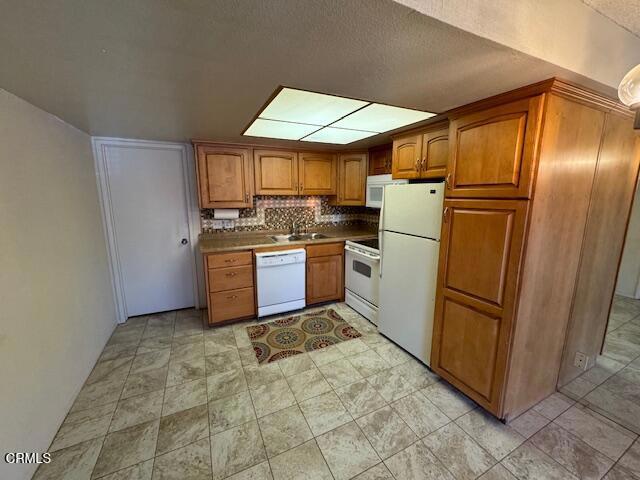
375, 188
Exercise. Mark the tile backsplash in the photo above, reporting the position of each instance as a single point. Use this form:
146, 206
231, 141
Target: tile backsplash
277, 213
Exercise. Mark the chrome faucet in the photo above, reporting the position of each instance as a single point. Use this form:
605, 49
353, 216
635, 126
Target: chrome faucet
295, 228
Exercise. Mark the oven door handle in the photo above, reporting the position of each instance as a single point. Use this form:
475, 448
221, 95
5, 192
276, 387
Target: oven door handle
351, 249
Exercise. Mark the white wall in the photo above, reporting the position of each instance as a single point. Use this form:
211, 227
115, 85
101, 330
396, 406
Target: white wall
56, 300
566, 33
629, 274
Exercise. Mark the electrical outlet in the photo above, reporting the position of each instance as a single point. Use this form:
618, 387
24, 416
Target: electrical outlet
227, 223
217, 224
581, 361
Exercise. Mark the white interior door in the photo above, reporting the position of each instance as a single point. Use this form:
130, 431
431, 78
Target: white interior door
149, 207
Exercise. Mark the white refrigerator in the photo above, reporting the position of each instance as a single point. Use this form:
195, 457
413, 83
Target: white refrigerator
410, 223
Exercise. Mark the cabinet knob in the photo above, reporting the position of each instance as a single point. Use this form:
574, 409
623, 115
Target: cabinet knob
231, 274
445, 215
447, 181
232, 297
246, 198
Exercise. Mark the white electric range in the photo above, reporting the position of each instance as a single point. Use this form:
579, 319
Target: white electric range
362, 277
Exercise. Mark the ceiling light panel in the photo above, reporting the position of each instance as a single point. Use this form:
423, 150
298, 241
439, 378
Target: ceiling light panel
381, 118
283, 130
300, 106
339, 136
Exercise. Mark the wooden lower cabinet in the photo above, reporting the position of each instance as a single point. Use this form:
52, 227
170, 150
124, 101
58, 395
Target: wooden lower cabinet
325, 273
231, 305
230, 286
480, 254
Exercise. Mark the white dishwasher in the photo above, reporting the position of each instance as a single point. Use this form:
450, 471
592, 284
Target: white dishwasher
281, 281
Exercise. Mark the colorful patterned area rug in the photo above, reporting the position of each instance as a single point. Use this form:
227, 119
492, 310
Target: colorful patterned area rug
297, 334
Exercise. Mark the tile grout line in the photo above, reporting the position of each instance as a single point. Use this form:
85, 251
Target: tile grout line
264, 448
117, 402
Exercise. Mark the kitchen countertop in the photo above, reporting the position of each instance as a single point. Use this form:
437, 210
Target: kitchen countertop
226, 242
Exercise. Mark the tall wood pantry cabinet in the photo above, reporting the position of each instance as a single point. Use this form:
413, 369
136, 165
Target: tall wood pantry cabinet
539, 184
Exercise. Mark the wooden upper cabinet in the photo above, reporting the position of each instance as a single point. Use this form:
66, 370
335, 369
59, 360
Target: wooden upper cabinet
380, 160
407, 155
435, 153
492, 152
224, 176
352, 179
317, 174
480, 256
276, 172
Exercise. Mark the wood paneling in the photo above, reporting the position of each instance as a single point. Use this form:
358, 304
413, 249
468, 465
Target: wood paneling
231, 259
566, 168
473, 317
352, 179
231, 305
275, 172
221, 279
492, 151
224, 176
609, 209
407, 155
325, 278
435, 153
380, 160
317, 174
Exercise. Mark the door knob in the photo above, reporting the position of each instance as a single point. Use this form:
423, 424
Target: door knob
184, 241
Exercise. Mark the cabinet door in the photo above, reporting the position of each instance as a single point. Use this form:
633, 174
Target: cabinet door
380, 161
492, 152
275, 172
318, 174
480, 256
435, 152
352, 179
325, 279
224, 177
407, 155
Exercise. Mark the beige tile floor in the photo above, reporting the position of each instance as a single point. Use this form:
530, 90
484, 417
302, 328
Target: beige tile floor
169, 400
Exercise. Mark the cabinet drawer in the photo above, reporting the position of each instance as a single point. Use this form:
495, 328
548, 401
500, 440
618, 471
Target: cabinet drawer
325, 249
232, 259
231, 304
230, 278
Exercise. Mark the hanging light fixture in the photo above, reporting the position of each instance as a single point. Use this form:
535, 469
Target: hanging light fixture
629, 92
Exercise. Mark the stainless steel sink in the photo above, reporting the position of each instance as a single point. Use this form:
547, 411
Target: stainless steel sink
297, 237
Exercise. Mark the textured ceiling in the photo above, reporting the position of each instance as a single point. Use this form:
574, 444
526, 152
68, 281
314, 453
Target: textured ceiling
625, 13
176, 70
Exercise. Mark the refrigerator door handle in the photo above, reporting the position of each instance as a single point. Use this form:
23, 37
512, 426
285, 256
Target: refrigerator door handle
381, 232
